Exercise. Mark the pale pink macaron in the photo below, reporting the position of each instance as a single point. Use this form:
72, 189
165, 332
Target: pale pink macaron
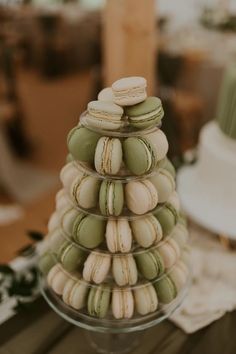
124, 270
122, 303
118, 236
145, 299
146, 231
75, 293
141, 196
57, 278
170, 252
96, 267
179, 274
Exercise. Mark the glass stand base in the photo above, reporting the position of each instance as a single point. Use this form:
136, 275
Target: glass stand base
111, 343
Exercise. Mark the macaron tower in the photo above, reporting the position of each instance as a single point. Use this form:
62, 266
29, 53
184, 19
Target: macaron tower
116, 252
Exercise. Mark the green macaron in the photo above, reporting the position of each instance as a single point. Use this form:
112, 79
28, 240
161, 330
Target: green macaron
111, 198
71, 256
82, 143
166, 290
88, 230
146, 113
167, 217
69, 158
139, 155
167, 165
150, 264
46, 262
99, 301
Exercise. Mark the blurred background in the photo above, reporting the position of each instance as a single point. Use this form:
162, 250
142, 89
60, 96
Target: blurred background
55, 56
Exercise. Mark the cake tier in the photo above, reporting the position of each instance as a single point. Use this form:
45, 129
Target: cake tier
207, 190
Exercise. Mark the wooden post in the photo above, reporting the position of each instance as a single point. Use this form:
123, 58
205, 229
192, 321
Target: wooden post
130, 40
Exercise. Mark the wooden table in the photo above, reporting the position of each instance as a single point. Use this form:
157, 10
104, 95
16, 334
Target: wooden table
41, 331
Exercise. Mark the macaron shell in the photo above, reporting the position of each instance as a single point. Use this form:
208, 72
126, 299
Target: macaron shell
150, 264
82, 144
124, 270
58, 281
137, 156
122, 303
106, 95
159, 142
68, 219
61, 199
99, 301
105, 110
146, 113
145, 299
141, 196
78, 295
178, 276
166, 290
166, 164
111, 198
46, 262
169, 252
164, 184
55, 239
129, 91
167, 216
96, 267
108, 156
90, 232
118, 236
67, 290
146, 231
86, 192
72, 257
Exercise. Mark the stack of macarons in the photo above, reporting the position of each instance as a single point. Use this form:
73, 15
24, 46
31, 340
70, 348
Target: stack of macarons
117, 243
119, 133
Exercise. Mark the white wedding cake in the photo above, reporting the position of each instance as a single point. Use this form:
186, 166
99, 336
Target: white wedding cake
208, 188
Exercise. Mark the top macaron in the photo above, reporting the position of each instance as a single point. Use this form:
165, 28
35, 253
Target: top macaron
129, 90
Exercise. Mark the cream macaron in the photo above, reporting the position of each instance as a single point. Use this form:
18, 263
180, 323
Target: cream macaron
164, 183
62, 200
96, 267
141, 196
146, 231
122, 303
57, 278
108, 156
174, 200
118, 236
145, 299
124, 270
106, 95
69, 173
170, 252
104, 115
85, 191
129, 90
75, 293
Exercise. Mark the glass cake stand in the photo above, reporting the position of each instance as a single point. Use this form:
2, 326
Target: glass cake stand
109, 335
